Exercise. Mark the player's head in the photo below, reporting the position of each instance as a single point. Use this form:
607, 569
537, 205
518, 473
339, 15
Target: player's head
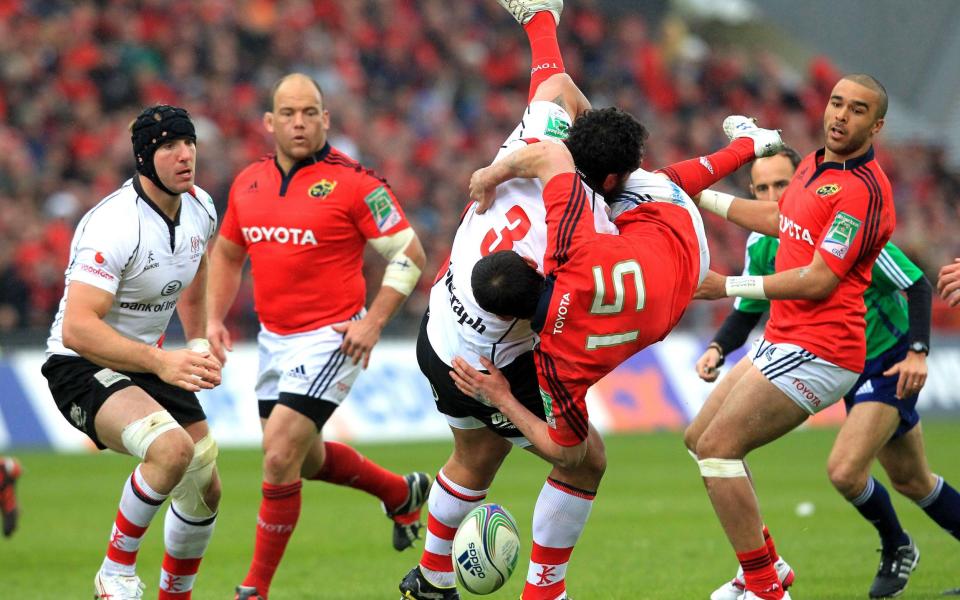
505, 284
771, 175
606, 145
165, 147
297, 118
854, 114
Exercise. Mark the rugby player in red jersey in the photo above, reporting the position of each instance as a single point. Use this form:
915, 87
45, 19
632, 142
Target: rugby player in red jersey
304, 217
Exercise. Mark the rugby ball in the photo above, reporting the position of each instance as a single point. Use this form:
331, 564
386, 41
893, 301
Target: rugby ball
485, 549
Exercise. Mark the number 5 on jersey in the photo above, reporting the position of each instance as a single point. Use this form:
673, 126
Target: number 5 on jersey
619, 271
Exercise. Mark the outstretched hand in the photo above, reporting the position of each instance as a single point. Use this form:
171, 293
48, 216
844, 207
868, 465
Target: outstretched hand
913, 374
482, 189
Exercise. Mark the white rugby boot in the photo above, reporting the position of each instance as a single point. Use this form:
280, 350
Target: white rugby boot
734, 589
523, 10
117, 587
766, 142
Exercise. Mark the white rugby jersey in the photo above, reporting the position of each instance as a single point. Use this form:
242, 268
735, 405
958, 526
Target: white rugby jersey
644, 186
516, 221
126, 246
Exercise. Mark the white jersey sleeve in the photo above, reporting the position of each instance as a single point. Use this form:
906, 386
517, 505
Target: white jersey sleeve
644, 186
102, 245
516, 221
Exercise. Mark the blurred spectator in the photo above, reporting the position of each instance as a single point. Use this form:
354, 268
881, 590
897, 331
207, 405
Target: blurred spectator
422, 91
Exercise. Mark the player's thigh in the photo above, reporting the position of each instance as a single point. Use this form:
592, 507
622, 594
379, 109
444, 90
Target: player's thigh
287, 438
714, 401
905, 461
755, 413
867, 428
118, 411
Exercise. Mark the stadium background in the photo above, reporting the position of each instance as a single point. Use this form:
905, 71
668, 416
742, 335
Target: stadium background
424, 92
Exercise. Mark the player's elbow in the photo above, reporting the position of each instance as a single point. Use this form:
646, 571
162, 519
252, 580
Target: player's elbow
73, 337
821, 288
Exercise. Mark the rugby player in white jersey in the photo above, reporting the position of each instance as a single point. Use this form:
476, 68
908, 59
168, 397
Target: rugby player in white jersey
135, 257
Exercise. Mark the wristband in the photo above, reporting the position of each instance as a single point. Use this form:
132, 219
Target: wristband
200, 345
716, 202
719, 350
750, 286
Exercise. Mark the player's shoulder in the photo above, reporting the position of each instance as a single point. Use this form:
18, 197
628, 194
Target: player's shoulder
118, 207
200, 198
348, 168
251, 171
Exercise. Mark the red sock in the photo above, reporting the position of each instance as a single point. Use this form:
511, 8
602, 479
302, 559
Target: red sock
546, 578
771, 548
546, 59
279, 511
177, 577
697, 174
759, 575
343, 465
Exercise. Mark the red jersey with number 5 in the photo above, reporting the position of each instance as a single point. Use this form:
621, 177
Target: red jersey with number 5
844, 212
305, 233
611, 296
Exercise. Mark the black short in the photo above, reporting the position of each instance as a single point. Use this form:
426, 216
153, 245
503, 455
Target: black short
317, 410
521, 373
80, 388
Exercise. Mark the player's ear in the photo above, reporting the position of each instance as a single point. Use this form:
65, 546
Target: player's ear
877, 126
268, 121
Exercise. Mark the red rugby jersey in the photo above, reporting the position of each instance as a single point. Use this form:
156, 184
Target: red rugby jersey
612, 295
305, 234
845, 212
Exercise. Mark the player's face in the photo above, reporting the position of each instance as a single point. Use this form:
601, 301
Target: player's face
298, 121
176, 164
770, 176
850, 119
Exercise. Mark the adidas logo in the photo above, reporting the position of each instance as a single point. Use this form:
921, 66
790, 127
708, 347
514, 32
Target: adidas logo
253, 186
298, 373
866, 388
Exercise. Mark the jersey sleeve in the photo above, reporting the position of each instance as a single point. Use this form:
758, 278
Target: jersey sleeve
759, 260
206, 200
230, 228
853, 229
564, 402
376, 211
102, 250
893, 270
569, 219
543, 120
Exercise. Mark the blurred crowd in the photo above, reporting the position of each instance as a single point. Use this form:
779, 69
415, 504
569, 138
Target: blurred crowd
423, 91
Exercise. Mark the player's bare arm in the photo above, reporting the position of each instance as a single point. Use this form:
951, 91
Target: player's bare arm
948, 282
814, 282
223, 281
406, 260
85, 332
494, 389
562, 91
542, 160
762, 217
192, 310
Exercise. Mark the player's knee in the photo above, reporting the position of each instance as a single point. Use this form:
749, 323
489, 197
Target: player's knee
198, 493
691, 436
915, 485
159, 440
279, 462
710, 444
849, 480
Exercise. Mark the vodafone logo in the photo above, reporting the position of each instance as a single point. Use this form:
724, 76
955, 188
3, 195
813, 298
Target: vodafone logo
99, 258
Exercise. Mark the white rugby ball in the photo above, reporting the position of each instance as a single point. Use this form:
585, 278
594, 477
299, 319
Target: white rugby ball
485, 549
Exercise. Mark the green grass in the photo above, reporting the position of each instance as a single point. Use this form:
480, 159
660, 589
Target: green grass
652, 533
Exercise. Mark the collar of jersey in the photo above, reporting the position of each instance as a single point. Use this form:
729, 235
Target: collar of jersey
846, 165
313, 159
171, 223
540, 315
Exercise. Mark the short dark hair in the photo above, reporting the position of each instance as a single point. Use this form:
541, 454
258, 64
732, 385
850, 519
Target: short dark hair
791, 154
504, 284
606, 141
871, 82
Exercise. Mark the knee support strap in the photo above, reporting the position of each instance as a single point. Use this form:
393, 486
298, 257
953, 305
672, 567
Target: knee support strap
138, 435
187, 497
722, 467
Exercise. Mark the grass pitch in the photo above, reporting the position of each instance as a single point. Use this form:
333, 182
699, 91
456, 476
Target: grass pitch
652, 533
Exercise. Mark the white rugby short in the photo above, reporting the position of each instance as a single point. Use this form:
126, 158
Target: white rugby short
309, 363
811, 382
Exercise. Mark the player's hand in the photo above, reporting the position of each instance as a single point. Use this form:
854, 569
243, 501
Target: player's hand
708, 365
948, 282
192, 371
913, 374
220, 342
714, 287
482, 189
492, 389
359, 338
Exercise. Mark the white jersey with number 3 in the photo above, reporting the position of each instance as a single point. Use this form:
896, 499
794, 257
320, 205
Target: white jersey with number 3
515, 221
126, 246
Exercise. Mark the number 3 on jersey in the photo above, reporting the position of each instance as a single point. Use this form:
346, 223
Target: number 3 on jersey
619, 271
518, 224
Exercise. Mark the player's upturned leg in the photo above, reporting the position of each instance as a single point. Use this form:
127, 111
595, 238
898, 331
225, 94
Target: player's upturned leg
401, 495
448, 504
539, 19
